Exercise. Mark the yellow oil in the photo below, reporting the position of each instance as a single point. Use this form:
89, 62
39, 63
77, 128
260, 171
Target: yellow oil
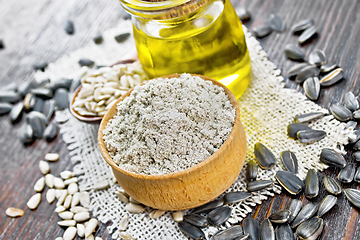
210, 42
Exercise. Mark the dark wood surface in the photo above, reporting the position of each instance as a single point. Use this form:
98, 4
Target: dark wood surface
32, 32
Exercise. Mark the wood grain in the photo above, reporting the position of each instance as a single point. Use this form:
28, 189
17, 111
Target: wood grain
32, 31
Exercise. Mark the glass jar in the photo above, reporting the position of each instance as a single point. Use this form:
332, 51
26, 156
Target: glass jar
192, 36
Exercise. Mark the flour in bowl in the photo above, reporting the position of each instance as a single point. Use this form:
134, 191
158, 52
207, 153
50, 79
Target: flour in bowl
168, 125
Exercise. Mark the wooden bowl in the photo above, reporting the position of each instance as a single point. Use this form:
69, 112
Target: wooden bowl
193, 186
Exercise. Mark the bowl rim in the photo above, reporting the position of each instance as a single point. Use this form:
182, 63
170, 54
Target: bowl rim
108, 116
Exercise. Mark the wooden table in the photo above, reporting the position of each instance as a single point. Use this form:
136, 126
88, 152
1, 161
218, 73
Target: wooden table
32, 31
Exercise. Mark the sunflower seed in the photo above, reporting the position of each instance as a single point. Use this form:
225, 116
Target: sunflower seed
59, 183
50, 195
326, 204
16, 112
61, 98
230, 233
38, 122
73, 188
178, 216
310, 136
209, 206
296, 69
306, 212
350, 125
124, 223
85, 199
234, 197
243, 14
346, 175
308, 117
290, 182
307, 72
332, 158
284, 231
101, 185
91, 226
219, 215
307, 35
196, 220
69, 27
341, 113
258, 185
332, 77
86, 62
71, 180
357, 176
80, 230
134, 208
327, 67
262, 30
301, 26
294, 207
357, 147
69, 233
251, 170
311, 184
98, 39
78, 209
50, 132
67, 201
353, 196
356, 138
5, 108
43, 93
332, 186
356, 156
312, 88
351, 102
310, 229
39, 185
356, 114
156, 213
294, 52
289, 161
62, 198
122, 37
14, 212
264, 156
266, 231
48, 108
81, 216
66, 215
276, 23
59, 209
191, 231
49, 180
9, 96
66, 174
38, 105
281, 216
317, 57
29, 101
294, 128
44, 167
51, 157
122, 197
251, 226
67, 223
34, 201
126, 236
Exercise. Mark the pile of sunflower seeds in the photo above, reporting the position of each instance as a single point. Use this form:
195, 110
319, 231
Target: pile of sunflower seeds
71, 205
102, 87
39, 100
